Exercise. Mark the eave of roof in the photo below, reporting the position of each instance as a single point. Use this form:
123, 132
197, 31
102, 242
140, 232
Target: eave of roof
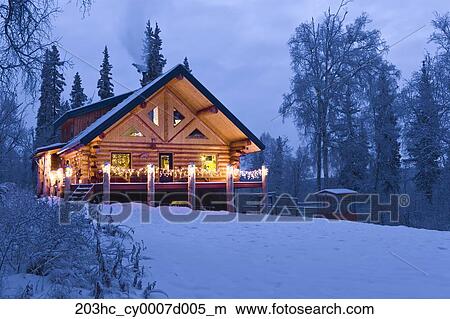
114, 100
49, 147
222, 108
139, 96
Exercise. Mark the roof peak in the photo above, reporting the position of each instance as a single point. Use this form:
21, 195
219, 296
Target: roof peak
140, 95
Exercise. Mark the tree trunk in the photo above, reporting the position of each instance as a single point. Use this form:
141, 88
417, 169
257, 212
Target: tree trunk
318, 161
325, 158
325, 142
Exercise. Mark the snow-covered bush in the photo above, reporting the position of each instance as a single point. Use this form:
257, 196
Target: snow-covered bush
33, 241
83, 258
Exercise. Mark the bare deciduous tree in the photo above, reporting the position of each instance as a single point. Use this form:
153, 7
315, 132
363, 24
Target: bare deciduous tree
25, 27
325, 56
25, 33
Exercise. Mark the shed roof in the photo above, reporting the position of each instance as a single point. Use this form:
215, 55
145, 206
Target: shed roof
337, 191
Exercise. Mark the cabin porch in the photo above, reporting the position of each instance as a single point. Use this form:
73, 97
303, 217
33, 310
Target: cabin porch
166, 193
179, 186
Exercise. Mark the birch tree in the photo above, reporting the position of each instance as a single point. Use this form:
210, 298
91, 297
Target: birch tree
25, 34
387, 134
324, 56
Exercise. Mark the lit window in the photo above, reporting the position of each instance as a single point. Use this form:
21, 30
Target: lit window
153, 115
133, 132
209, 162
122, 160
196, 134
177, 117
165, 162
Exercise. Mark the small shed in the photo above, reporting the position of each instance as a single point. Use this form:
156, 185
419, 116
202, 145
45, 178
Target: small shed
331, 199
338, 192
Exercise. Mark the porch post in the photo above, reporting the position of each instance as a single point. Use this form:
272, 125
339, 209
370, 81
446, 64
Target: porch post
53, 180
39, 172
151, 185
106, 183
264, 189
59, 183
45, 187
191, 185
67, 177
230, 189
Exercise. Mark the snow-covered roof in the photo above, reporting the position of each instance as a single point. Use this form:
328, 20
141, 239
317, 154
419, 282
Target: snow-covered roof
108, 102
111, 114
48, 147
139, 96
337, 191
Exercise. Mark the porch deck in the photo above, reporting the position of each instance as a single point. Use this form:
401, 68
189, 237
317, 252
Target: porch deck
172, 186
178, 191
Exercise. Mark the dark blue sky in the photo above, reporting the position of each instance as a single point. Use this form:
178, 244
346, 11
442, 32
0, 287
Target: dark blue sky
238, 49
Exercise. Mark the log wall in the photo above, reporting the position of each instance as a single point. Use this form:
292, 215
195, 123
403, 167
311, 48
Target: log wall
75, 125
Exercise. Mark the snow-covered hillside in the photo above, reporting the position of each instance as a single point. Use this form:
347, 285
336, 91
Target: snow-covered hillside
315, 259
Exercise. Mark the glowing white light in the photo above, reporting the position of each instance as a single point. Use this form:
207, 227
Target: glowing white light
60, 174
106, 168
68, 172
264, 170
191, 170
230, 170
53, 177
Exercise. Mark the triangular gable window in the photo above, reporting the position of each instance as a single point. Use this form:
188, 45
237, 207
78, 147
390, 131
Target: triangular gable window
133, 132
153, 115
177, 117
196, 134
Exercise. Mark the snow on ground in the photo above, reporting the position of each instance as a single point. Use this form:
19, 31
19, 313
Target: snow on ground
313, 259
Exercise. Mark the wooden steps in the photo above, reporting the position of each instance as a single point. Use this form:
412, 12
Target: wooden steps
81, 193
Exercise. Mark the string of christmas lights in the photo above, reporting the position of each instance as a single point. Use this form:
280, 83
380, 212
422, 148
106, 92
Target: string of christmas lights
182, 172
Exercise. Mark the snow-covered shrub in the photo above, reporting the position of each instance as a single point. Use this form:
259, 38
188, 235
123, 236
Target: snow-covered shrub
33, 241
82, 258
118, 259
6, 188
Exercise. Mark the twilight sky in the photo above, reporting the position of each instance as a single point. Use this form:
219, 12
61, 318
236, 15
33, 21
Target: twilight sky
236, 48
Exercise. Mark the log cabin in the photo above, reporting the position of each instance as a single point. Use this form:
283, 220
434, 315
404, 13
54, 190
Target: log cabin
169, 127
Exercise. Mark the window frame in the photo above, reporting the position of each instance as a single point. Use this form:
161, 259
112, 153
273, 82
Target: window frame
128, 153
216, 158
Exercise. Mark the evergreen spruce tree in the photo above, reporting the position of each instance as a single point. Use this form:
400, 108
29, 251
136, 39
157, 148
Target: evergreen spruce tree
52, 85
278, 162
352, 145
387, 134
104, 84
149, 39
65, 106
77, 96
423, 138
158, 60
154, 60
299, 171
186, 64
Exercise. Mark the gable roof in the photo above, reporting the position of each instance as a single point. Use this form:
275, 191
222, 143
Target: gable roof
139, 96
112, 101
